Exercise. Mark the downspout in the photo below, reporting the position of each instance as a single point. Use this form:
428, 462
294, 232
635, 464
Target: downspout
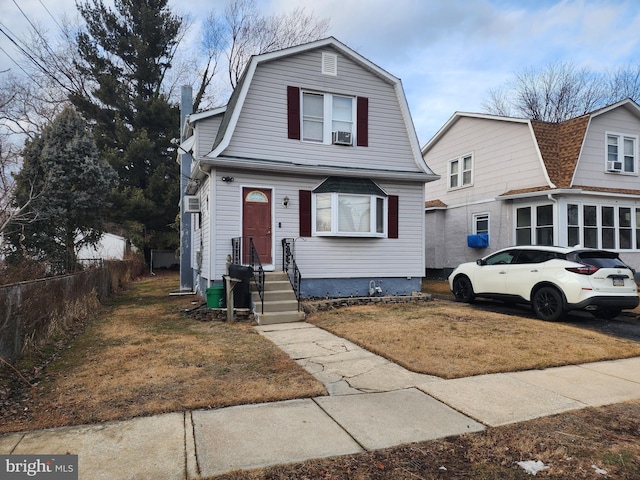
555, 209
209, 203
186, 269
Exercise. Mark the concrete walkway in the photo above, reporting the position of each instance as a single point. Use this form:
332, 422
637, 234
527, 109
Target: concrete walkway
373, 404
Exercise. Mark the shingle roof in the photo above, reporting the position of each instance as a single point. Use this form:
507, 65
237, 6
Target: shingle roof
435, 204
560, 145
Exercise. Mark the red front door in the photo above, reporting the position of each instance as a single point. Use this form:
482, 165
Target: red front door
256, 223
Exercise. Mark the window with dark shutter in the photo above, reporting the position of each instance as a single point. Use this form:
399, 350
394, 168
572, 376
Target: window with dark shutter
393, 216
362, 122
305, 213
293, 112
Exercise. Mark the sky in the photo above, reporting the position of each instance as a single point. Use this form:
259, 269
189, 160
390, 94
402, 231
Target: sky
448, 53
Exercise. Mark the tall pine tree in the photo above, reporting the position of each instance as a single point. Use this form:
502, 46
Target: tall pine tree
125, 53
66, 188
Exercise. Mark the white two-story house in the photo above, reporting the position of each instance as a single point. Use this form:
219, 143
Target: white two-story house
510, 181
315, 158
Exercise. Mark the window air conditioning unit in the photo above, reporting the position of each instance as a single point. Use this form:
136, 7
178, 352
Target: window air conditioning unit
191, 203
341, 138
614, 166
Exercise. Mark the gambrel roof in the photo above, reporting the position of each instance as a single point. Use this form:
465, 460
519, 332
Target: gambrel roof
233, 110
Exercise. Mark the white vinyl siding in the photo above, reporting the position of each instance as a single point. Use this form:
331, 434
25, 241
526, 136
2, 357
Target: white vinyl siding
261, 131
505, 150
592, 166
324, 257
206, 135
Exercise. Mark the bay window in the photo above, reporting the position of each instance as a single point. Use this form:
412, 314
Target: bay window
348, 207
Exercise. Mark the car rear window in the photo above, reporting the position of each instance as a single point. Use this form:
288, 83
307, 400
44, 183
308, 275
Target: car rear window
601, 259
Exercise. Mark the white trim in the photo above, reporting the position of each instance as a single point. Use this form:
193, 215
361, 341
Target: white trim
474, 222
460, 174
621, 155
335, 215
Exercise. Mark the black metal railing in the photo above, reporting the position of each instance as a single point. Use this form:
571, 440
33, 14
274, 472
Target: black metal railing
290, 267
258, 272
236, 250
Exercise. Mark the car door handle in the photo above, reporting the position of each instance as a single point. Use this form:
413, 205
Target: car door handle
502, 272
535, 270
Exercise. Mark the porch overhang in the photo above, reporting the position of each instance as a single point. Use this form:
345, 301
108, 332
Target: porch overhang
290, 168
587, 191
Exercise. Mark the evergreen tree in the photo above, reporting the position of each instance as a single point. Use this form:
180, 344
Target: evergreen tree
125, 53
66, 186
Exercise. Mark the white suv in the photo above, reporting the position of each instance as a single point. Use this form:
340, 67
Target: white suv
553, 280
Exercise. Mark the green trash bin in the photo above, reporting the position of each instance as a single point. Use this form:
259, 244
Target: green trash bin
215, 296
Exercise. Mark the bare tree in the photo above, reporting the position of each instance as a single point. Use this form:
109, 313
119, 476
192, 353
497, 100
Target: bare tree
624, 83
230, 39
10, 211
558, 92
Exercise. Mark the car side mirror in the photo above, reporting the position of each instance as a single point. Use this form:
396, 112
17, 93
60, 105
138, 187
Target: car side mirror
480, 262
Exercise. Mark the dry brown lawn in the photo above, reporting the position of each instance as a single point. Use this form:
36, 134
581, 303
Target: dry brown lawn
452, 340
143, 355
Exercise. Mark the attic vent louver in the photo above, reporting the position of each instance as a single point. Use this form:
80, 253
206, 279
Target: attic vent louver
329, 63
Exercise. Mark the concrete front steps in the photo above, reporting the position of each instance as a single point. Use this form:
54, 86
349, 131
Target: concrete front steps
280, 303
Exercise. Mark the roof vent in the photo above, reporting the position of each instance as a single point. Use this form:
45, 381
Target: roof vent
329, 63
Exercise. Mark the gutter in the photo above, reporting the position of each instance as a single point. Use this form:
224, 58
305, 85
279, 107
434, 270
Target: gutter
296, 168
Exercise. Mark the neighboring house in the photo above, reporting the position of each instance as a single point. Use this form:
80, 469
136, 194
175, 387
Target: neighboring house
109, 247
316, 146
509, 181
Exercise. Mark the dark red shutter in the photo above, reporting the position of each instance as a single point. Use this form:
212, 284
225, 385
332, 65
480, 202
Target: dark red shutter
293, 112
305, 213
362, 113
392, 221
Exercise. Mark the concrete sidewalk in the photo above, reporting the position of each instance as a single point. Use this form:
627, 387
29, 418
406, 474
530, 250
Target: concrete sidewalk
373, 404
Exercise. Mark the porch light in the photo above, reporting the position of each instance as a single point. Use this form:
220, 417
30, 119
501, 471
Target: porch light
285, 202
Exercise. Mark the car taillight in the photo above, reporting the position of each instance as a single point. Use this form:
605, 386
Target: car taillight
583, 269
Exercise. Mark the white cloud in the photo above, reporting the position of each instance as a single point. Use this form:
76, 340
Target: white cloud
448, 53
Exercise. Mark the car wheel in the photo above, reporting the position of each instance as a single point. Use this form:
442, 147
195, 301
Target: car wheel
606, 313
463, 290
547, 304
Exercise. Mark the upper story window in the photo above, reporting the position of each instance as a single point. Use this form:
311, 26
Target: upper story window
621, 153
461, 172
327, 118
323, 114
